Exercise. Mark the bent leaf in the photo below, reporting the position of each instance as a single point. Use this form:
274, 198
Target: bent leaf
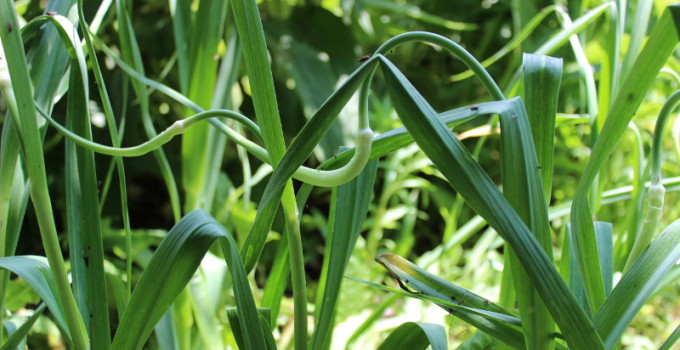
414, 336
170, 269
470, 180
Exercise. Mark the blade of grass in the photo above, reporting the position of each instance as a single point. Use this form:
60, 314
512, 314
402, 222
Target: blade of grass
643, 10
204, 32
542, 77
481, 194
496, 324
251, 33
605, 246
425, 283
278, 276
11, 176
226, 78
115, 141
265, 319
672, 339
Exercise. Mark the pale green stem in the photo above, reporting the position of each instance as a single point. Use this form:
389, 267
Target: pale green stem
512, 44
323, 178
655, 196
450, 46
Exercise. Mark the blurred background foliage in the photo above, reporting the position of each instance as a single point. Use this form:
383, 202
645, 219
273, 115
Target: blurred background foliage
313, 45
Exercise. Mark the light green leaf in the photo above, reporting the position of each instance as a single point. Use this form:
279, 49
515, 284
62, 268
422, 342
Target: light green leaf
416, 335
473, 309
35, 271
19, 336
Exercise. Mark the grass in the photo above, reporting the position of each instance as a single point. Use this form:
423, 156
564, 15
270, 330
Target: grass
549, 250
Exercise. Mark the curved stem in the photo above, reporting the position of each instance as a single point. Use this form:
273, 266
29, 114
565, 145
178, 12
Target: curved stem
330, 178
154, 143
453, 48
655, 196
323, 178
512, 44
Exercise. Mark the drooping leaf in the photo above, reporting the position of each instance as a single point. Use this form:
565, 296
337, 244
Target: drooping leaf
35, 271
170, 269
468, 178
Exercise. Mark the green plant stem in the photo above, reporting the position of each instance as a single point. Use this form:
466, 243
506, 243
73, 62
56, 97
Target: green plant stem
316, 177
512, 44
655, 196
251, 33
312, 176
450, 46
177, 128
9, 156
27, 126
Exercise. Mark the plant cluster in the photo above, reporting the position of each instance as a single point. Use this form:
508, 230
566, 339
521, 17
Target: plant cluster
270, 211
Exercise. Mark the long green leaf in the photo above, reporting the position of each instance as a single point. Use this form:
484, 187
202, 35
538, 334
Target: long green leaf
467, 177
521, 175
198, 161
251, 33
47, 64
265, 320
82, 203
672, 339
131, 54
115, 141
542, 78
350, 209
260, 77
169, 271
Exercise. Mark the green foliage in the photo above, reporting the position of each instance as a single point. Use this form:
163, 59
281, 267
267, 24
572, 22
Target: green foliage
532, 225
